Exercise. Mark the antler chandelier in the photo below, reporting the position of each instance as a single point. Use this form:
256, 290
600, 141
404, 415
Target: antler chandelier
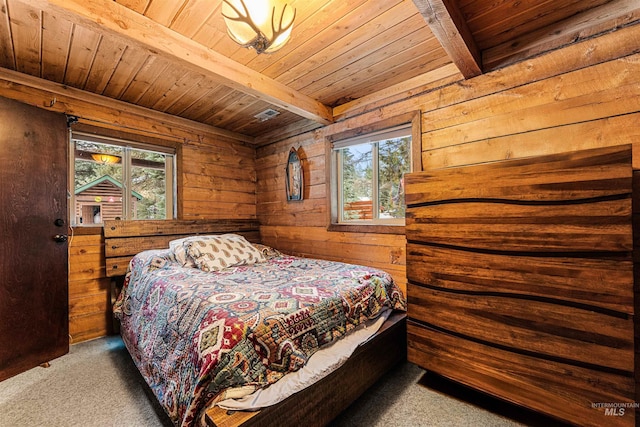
264, 25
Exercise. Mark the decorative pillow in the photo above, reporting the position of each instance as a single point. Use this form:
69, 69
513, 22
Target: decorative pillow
216, 253
267, 251
179, 249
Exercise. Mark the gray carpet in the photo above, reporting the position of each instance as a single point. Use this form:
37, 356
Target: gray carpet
96, 384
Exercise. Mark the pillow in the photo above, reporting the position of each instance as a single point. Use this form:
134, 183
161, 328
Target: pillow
267, 251
179, 249
215, 253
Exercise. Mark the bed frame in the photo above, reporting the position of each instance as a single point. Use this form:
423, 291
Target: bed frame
314, 406
521, 281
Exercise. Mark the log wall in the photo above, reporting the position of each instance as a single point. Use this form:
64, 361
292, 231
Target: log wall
300, 227
215, 173
215, 176
582, 96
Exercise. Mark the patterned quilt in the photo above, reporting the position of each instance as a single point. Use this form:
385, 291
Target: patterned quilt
194, 334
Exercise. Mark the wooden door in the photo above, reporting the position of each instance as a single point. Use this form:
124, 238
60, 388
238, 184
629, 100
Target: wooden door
34, 320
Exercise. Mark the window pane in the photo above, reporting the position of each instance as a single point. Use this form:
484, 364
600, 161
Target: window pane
357, 184
117, 181
98, 182
369, 174
149, 184
394, 161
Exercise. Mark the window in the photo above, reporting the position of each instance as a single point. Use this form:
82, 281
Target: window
115, 179
369, 177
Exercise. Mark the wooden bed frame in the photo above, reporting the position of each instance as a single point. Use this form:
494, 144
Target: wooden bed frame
314, 406
521, 281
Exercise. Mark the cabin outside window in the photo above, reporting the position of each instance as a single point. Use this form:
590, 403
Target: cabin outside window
115, 179
368, 172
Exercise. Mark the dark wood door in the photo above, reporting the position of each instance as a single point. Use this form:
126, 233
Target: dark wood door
34, 323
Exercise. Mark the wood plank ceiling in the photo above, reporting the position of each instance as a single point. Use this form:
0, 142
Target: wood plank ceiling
174, 56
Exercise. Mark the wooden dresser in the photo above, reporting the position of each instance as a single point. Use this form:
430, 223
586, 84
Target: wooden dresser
521, 281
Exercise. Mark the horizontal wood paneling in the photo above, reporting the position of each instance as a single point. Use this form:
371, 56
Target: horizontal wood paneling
550, 330
609, 131
582, 107
589, 126
217, 176
525, 378
488, 245
300, 228
89, 289
90, 326
599, 283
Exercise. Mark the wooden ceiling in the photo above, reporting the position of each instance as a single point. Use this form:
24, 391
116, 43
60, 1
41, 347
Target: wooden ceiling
174, 56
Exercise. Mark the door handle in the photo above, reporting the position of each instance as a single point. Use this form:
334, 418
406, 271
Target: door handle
60, 238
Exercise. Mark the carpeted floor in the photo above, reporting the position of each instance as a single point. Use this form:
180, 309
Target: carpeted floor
97, 384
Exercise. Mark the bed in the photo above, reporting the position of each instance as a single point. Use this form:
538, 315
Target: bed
216, 319
522, 281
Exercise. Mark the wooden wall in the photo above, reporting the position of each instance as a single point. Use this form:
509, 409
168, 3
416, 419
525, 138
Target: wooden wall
300, 228
582, 96
215, 171
216, 176
89, 288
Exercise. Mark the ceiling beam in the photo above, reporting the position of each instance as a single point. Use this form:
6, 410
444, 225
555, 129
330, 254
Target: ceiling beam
402, 90
101, 15
448, 25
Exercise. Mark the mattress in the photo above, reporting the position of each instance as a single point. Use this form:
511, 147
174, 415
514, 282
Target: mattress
198, 336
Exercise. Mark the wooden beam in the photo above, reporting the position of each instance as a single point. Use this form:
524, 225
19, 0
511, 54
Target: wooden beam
109, 16
406, 89
448, 25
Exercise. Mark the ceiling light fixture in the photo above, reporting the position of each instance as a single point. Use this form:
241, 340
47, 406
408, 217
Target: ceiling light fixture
104, 158
264, 25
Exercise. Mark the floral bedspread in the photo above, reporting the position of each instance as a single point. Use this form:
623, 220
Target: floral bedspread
193, 334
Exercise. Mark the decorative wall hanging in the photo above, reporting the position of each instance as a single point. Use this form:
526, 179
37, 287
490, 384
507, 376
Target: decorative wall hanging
294, 182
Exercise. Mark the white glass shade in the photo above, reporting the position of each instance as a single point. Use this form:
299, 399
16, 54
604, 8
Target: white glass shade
264, 25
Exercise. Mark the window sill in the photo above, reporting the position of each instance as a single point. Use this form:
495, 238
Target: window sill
373, 228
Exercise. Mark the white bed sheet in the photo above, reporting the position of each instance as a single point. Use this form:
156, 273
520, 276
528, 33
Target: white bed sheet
321, 364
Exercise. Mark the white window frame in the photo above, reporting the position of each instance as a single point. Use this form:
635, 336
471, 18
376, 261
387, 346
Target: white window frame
404, 130
127, 146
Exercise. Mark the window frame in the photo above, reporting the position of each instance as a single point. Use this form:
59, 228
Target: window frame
412, 119
127, 144
372, 139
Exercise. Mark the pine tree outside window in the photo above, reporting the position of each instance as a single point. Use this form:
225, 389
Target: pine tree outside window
369, 174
